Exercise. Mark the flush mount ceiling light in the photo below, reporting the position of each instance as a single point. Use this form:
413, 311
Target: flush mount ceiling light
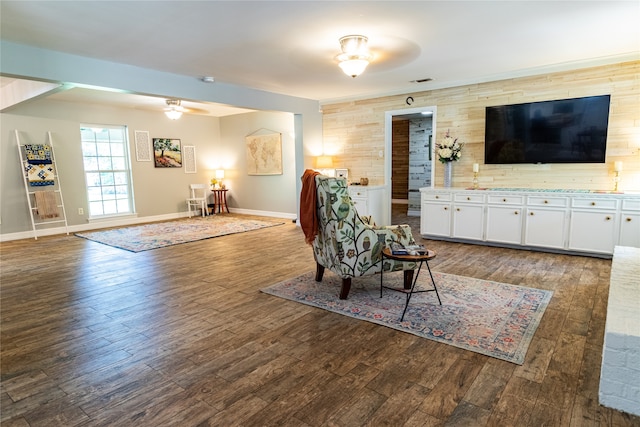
174, 111
355, 55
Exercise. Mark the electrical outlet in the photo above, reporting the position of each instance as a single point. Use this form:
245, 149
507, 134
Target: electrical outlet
80, 211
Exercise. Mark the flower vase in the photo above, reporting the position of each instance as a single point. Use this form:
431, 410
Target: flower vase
448, 174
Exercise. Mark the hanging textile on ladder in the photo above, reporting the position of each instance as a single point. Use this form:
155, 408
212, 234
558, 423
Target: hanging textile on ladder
46, 204
42, 186
39, 165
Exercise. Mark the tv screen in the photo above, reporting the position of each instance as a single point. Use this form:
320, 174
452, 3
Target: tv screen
562, 131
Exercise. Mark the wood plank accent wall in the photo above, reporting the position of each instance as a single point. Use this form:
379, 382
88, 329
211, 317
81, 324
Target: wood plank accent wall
356, 129
400, 160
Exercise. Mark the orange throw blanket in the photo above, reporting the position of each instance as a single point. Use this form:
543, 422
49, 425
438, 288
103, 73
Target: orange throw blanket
308, 213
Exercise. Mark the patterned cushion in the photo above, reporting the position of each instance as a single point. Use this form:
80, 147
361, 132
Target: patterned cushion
345, 244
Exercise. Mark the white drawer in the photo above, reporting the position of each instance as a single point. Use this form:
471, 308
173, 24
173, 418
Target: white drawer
437, 197
631, 205
357, 192
537, 201
594, 203
469, 198
506, 199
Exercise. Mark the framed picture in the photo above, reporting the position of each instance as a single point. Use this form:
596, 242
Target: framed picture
143, 146
189, 158
167, 153
342, 173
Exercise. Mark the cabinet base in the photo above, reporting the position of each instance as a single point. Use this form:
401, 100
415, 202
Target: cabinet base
520, 247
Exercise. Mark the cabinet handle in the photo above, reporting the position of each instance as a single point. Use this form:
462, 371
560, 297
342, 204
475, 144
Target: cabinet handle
607, 218
437, 197
446, 208
531, 213
628, 219
458, 209
504, 200
468, 198
546, 201
516, 213
593, 203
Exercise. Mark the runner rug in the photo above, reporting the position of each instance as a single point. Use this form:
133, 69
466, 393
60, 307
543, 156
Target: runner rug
490, 318
158, 235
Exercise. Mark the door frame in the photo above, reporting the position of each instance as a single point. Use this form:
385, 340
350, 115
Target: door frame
388, 145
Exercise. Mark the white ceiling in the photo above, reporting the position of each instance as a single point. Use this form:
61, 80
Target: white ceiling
288, 47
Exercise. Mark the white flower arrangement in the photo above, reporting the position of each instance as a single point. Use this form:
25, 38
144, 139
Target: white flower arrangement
449, 149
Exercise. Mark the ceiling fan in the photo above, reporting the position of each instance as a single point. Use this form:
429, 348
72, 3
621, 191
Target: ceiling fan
174, 109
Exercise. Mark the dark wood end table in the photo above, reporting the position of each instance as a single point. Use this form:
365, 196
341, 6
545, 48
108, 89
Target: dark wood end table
420, 259
220, 199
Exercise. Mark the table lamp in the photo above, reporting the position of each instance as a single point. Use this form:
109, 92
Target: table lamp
220, 177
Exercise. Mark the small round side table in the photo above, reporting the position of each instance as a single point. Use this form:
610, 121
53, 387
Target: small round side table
420, 259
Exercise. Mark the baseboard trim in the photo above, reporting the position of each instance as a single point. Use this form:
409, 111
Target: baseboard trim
123, 222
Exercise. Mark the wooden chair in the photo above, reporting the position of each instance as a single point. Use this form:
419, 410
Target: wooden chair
198, 199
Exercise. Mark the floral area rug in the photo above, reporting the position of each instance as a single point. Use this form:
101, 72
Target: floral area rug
158, 235
490, 318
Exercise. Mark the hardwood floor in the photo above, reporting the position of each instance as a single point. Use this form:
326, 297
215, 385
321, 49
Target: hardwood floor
181, 336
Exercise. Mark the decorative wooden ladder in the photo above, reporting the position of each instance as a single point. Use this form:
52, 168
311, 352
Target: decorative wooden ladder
46, 207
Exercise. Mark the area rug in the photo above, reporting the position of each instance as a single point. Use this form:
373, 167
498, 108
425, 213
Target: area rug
490, 318
158, 235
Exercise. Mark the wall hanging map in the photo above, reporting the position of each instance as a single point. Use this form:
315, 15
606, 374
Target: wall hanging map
264, 154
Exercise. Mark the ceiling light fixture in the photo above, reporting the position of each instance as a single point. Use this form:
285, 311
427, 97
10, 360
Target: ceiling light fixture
355, 55
174, 112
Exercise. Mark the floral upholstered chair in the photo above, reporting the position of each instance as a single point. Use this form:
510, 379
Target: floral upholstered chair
348, 246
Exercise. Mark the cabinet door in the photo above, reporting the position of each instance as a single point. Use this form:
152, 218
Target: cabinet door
630, 229
546, 228
468, 221
435, 219
592, 231
504, 224
361, 205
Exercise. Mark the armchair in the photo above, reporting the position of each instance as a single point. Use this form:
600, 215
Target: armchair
347, 245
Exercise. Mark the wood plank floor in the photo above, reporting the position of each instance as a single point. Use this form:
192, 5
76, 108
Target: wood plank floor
181, 336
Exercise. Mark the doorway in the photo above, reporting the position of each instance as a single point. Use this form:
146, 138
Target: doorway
409, 161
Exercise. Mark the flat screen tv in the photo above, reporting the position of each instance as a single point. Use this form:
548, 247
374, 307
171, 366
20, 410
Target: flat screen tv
562, 131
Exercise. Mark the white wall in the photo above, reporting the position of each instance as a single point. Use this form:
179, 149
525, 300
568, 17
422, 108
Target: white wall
159, 192
300, 124
276, 193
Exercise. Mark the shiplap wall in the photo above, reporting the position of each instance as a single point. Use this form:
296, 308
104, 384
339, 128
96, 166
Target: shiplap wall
355, 130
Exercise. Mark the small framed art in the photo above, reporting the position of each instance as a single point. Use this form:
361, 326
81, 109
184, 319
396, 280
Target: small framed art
342, 173
167, 153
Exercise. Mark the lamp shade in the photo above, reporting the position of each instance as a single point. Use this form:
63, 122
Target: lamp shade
174, 109
353, 67
219, 173
173, 114
324, 162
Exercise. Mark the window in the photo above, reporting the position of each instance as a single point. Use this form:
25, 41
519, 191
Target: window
105, 152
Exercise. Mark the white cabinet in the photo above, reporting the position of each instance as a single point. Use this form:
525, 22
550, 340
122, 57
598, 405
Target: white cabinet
468, 216
370, 201
573, 222
435, 215
546, 222
593, 225
504, 218
504, 224
630, 224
